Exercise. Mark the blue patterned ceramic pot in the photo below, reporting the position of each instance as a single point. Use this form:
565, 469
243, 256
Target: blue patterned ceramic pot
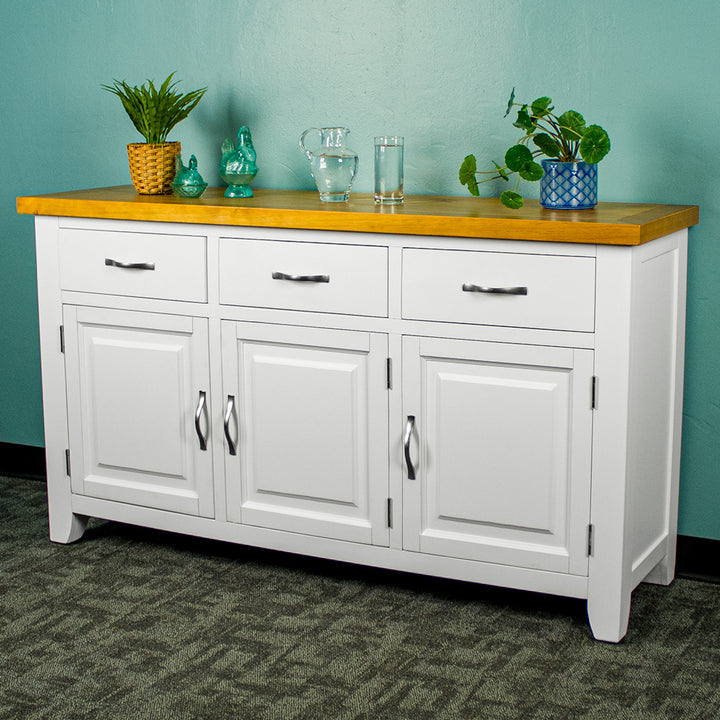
568, 185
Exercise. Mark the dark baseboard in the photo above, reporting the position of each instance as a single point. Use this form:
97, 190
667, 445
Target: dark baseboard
697, 558
25, 461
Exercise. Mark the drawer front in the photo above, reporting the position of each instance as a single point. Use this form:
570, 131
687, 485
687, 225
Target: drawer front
554, 292
172, 267
315, 277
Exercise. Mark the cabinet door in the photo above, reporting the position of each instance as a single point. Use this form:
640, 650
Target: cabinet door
501, 442
135, 382
306, 416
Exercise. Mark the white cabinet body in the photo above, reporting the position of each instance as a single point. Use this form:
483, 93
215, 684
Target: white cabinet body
497, 411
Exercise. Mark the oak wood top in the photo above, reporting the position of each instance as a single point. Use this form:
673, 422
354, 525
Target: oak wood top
607, 223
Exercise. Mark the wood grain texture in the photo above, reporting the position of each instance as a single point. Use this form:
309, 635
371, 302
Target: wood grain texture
606, 224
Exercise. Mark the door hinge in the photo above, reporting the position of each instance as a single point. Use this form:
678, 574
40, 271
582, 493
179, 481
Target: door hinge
593, 399
67, 462
388, 369
62, 338
590, 539
389, 513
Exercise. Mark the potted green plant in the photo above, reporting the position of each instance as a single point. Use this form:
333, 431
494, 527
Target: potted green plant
154, 112
572, 150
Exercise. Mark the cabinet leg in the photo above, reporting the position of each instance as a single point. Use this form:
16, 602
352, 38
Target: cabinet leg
65, 525
68, 528
609, 617
663, 573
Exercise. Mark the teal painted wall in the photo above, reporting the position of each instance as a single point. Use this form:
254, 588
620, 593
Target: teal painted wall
437, 73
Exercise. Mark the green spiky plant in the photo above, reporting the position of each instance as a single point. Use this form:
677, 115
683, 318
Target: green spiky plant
155, 112
564, 138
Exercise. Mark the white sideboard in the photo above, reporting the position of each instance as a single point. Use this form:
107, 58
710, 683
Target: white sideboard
446, 388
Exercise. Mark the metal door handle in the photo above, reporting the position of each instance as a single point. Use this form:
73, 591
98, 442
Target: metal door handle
198, 414
406, 446
470, 287
130, 265
301, 278
232, 444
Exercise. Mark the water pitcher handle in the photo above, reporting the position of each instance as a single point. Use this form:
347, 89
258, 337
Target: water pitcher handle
302, 141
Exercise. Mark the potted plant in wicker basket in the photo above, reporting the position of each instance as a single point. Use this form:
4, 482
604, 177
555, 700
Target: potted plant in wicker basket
154, 112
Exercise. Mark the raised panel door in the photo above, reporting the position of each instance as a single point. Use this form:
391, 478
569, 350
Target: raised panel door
306, 430
501, 441
135, 383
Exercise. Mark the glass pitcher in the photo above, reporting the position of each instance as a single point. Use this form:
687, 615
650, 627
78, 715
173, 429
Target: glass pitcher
332, 164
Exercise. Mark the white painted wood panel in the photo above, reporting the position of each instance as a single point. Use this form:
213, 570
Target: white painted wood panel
504, 437
178, 264
560, 289
311, 426
64, 525
356, 276
134, 382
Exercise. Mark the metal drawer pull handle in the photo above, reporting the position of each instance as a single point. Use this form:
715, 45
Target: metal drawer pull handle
131, 265
232, 444
469, 287
301, 278
406, 446
198, 414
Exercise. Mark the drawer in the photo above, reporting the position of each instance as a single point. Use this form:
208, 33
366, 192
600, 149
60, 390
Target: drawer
172, 267
493, 288
315, 277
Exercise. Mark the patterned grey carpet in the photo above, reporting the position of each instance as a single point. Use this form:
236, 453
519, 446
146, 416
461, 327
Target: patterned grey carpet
131, 623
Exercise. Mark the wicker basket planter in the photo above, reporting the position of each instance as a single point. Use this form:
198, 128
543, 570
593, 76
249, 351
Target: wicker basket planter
152, 167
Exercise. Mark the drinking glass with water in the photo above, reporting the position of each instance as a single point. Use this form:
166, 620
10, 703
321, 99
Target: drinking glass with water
389, 150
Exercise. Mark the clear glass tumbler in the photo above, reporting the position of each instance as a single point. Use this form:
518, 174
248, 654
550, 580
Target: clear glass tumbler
389, 169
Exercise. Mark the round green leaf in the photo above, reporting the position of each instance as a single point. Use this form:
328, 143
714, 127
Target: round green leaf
467, 170
531, 171
595, 144
548, 146
467, 177
572, 125
517, 156
525, 121
511, 199
541, 106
